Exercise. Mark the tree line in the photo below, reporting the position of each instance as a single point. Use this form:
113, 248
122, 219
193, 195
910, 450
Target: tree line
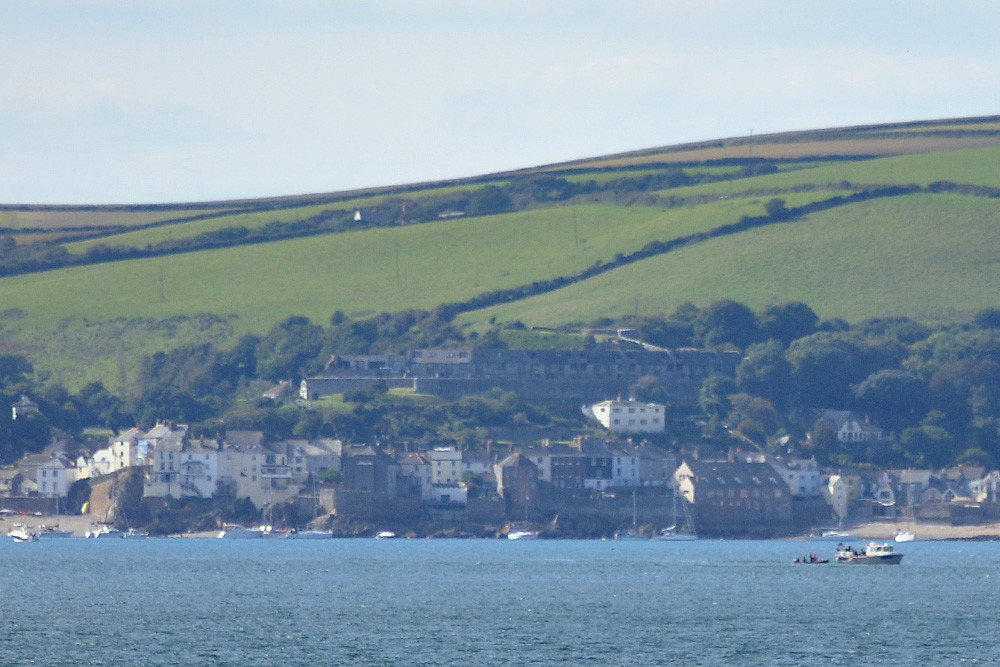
935, 390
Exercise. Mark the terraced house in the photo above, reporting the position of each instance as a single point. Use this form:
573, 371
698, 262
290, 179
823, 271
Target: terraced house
606, 369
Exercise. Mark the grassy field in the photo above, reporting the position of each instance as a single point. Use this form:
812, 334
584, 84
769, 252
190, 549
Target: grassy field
933, 257
250, 220
927, 256
79, 310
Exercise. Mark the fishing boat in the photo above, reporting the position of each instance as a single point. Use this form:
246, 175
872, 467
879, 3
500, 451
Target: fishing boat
874, 553
133, 534
46, 532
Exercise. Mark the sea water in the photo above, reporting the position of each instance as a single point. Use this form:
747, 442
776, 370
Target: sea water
491, 602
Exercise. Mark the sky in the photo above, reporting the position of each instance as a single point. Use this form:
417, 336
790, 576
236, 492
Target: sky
124, 102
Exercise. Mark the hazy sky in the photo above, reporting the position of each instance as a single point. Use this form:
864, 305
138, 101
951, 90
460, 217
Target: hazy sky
148, 101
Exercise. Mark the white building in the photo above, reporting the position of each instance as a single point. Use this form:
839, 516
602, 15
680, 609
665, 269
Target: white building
629, 416
125, 449
255, 472
95, 466
625, 466
801, 475
312, 457
446, 465
55, 477
835, 492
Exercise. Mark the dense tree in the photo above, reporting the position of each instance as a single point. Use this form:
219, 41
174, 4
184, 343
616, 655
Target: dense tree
757, 418
714, 396
727, 321
14, 369
824, 366
764, 371
788, 321
988, 318
488, 200
290, 350
666, 332
895, 399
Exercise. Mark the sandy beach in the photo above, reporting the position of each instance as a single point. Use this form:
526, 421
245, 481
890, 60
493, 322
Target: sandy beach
885, 530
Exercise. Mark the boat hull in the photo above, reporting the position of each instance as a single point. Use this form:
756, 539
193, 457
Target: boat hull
522, 535
874, 554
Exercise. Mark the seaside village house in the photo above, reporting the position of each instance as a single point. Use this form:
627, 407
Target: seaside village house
735, 497
25, 406
629, 416
607, 369
446, 476
55, 476
517, 484
850, 427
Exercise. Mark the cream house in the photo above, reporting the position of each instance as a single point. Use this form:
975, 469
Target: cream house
628, 416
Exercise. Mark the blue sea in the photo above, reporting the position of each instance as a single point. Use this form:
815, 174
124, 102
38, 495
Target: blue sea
491, 602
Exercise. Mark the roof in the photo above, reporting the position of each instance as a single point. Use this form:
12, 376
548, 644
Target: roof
325, 447
130, 435
413, 459
737, 474
516, 460
244, 438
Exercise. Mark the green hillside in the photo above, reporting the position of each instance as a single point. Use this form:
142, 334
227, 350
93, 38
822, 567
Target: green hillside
593, 225
932, 257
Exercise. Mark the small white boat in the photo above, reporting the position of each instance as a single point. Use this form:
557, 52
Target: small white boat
522, 535
833, 536
22, 535
671, 534
385, 535
905, 536
105, 531
133, 534
233, 531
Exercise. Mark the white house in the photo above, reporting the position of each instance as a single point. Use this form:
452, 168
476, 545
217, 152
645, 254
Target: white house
312, 457
55, 477
850, 427
255, 472
125, 449
25, 406
835, 492
96, 465
801, 475
629, 416
449, 494
625, 466
446, 465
